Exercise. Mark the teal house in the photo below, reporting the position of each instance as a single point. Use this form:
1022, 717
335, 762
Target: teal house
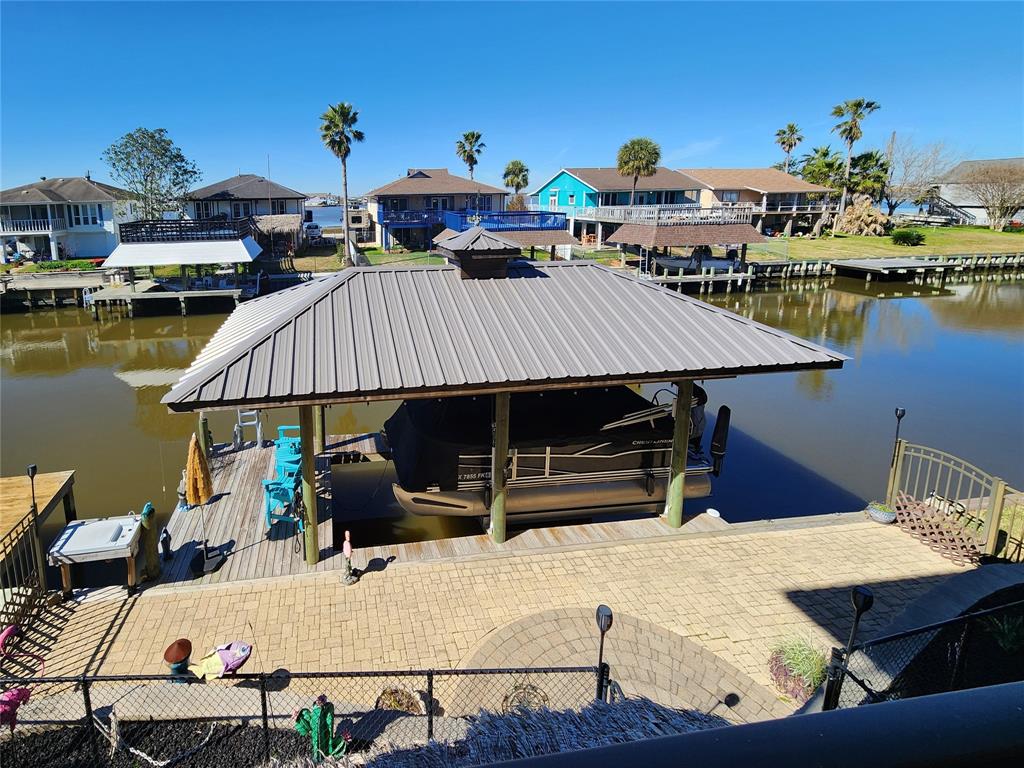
592, 187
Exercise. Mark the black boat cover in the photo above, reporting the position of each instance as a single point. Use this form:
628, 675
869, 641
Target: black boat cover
427, 437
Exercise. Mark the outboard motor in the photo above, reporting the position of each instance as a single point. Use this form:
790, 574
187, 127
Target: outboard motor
719, 439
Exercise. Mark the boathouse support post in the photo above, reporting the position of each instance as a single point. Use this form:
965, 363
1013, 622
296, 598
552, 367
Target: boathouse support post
318, 429
676, 490
309, 500
204, 434
499, 458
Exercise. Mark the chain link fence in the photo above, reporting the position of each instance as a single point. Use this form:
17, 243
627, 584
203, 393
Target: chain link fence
248, 719
977, 649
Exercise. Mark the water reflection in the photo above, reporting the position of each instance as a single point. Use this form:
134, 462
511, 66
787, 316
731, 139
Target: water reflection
77, 393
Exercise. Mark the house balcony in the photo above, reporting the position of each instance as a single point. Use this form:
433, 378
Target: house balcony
32, 226
407, 219
661, 214
812, 206
504, 221
186, 230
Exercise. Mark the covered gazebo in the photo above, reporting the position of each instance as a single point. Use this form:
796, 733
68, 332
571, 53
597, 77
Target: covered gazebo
486, 324
651, 237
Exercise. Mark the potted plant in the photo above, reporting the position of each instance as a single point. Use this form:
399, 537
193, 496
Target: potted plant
797, 668
881, 513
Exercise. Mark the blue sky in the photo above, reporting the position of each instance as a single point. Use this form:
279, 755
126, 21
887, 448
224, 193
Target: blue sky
550, 84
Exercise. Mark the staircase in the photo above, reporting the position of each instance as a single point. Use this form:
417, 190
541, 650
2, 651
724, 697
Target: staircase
940, 206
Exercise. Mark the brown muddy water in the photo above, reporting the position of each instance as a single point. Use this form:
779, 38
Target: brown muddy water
85, 395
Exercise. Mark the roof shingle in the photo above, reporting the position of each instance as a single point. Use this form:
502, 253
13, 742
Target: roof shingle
609, 180
763, 180
68, 189
246, 186
434, 181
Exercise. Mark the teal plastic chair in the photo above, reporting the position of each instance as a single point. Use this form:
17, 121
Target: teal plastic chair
288, 468
280, 495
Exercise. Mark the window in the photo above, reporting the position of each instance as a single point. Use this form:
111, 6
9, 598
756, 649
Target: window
204, 209
83, 214
355, 220
440, 203
731, 196
242, 210
396, 204
572, 198
278, 207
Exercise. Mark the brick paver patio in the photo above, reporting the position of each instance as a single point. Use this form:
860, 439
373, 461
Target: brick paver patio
732, 593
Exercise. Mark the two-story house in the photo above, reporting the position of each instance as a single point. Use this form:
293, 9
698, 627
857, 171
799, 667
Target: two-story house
243, 196
411, 210
594, 198
72, 217
780, 202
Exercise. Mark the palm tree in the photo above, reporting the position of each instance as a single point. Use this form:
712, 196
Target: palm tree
469, 147
821, 166
788, 138
636, 158
517, 177
854, 111
338, 133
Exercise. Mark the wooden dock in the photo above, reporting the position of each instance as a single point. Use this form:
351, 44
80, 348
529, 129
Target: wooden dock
150, 290
234, 518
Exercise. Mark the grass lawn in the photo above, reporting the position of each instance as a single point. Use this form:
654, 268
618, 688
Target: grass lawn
937, 240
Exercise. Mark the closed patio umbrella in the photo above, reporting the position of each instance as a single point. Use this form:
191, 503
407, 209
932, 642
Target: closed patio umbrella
198, 491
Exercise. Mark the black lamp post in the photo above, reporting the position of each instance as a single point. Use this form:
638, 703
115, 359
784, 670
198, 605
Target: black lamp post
900, 413
31, 472
604, 623
862, 599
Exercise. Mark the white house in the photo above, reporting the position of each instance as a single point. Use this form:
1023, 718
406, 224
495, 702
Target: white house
72, 217
952, 191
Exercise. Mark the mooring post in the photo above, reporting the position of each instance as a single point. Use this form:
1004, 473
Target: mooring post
309, 500
499, 458
676, 490
995, 513
204, 434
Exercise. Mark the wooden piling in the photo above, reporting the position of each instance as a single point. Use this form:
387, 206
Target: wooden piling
309, 500
676, 490
499, 458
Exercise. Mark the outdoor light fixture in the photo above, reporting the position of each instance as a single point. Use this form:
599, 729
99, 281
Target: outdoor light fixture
862, 599
900, 413
31, 471
604, 623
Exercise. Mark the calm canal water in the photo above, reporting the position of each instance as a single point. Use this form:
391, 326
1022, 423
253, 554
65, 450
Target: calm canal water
81, 394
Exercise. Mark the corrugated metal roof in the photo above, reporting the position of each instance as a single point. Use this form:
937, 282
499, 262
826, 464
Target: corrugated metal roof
406, 331
241, 251
478, 239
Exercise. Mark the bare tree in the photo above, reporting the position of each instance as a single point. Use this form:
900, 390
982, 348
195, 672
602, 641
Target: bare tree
913, 170
999, 189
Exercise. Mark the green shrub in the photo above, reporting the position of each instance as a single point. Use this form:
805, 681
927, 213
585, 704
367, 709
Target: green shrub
797, 667
907, 237
1008, 632
57, 266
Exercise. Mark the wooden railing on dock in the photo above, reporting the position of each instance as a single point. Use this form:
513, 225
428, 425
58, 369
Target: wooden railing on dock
970, 498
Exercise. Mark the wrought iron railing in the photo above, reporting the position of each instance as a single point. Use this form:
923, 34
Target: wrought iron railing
185, 230
968, 497
22, 579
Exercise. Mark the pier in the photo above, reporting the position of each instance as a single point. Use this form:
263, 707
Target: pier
234, 517
149, 291
50, 289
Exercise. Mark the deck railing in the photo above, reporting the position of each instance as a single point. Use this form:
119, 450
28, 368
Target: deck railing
418, 218
499, 221
185, 230
661, 214
32, 225
22, 585
976, 501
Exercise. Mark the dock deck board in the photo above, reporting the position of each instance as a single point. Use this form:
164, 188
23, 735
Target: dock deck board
236, 514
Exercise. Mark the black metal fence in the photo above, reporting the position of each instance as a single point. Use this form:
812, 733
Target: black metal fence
977, 649
248, 719
184, 230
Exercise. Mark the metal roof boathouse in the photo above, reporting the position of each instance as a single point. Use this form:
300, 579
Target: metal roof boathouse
487, 323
